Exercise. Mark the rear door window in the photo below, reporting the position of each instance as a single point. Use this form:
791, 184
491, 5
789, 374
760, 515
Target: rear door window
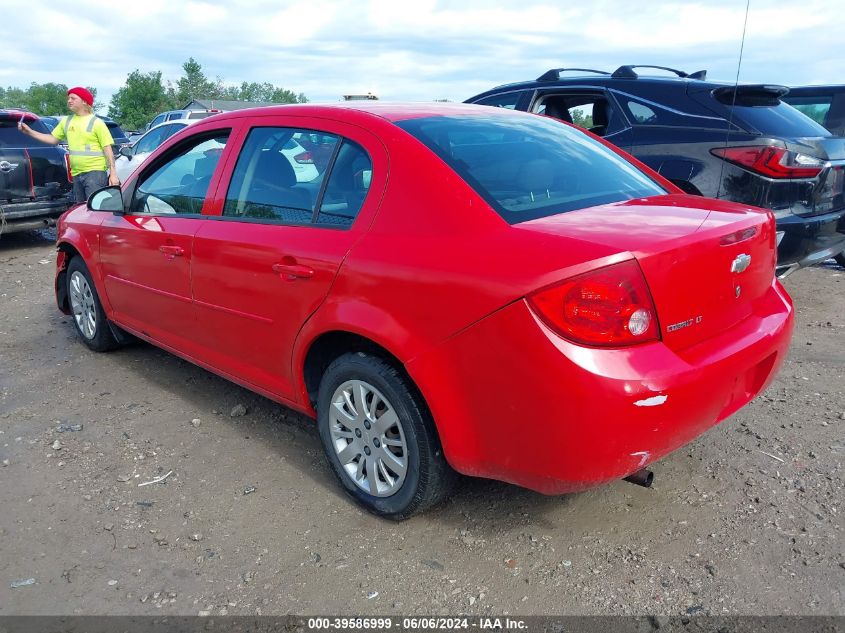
531, 167
592, 111
349, 182
269, 183
277, 181
502, 100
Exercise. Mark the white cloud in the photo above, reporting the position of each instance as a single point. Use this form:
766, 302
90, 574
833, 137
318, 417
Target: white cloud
429, 49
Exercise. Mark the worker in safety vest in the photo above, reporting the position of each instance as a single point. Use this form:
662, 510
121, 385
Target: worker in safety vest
89, 143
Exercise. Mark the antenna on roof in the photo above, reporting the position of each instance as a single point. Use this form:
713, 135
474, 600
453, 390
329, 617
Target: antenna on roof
733, 101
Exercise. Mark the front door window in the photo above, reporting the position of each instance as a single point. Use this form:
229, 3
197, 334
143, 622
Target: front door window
180, 184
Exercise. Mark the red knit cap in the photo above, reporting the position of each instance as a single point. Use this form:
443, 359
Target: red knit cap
83, 94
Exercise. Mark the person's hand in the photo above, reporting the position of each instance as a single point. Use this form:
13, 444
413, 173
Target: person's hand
23, 127
114, 181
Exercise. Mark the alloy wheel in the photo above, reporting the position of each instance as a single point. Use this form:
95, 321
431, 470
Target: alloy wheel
82, 304
368, 438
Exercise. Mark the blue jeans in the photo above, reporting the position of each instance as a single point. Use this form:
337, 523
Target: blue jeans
87, 183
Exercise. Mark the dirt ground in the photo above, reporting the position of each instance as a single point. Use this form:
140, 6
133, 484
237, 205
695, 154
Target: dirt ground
745, 520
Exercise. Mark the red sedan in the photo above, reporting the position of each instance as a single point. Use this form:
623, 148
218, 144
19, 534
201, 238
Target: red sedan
461, 289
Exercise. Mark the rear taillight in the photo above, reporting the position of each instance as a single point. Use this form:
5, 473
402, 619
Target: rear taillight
608, 307
738, 236
67, 164
305, 158
772, 162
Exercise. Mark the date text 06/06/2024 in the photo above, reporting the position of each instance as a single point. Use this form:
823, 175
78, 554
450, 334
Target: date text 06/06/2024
416, 623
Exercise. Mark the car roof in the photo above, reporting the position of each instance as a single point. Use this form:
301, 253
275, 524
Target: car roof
627, 75
389, 111
15, 113
188, 111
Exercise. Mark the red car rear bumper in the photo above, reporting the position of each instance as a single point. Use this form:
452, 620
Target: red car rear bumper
515, 402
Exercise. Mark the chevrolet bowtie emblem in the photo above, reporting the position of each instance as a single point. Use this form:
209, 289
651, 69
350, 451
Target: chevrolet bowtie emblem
741, 262
6, 166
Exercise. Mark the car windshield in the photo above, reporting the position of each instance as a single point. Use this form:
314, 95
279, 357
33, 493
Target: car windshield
529, 167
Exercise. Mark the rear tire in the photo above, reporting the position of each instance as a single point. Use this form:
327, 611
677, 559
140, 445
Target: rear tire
379, 438
89, 318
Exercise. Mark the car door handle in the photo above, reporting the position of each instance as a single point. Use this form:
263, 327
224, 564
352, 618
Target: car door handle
172, 251
291, 272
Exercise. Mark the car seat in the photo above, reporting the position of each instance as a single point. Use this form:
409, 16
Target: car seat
273, 184
557, 110
535, 178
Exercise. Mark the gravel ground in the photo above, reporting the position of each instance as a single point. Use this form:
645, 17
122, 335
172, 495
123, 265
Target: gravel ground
249, 520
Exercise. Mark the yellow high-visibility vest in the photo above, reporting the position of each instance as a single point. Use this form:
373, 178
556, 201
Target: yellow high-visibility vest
86, 137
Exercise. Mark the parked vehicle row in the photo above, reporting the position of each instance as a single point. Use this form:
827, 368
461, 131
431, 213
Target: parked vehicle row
459, 289
739, 143
35, 183
35, 180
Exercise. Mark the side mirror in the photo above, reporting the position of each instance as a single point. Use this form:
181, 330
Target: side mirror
107, 199
126, 150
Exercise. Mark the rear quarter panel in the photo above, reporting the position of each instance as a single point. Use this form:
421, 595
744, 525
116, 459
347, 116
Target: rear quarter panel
437, 259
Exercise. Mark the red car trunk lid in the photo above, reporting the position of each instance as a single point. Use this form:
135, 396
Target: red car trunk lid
705, 262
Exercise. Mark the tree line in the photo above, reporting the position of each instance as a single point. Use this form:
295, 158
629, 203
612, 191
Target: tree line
145, 94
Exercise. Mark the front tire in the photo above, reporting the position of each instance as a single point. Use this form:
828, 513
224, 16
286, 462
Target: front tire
379, 438
840, 259
89, 318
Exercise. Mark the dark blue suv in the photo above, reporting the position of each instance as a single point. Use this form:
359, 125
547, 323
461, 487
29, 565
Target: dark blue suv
741, 143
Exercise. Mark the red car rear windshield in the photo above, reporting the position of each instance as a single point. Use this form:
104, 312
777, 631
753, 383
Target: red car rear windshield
530, 167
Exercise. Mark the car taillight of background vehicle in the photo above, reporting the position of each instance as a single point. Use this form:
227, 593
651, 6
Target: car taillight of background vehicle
608, 307
773, 162
67, 164
305, 158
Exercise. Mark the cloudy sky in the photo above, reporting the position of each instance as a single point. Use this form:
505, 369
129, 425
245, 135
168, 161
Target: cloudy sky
421, 50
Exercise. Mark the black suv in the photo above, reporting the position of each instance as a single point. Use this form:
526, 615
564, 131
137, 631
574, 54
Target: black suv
35, 184
741, 143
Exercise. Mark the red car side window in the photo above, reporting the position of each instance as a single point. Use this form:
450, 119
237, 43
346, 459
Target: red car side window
275, 178
180, 184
